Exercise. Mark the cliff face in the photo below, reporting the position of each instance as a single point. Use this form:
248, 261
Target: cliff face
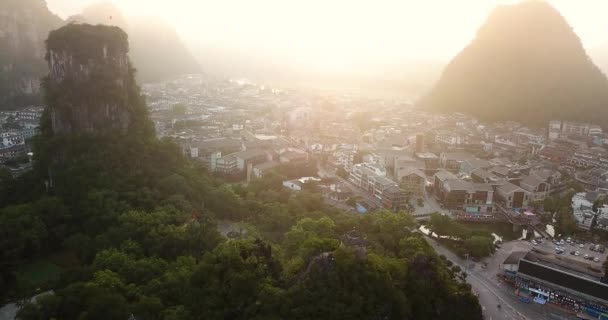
90, 87
24, 25
526, 64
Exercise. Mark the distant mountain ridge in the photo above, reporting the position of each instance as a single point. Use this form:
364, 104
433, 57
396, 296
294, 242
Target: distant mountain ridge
156, 49
525, 64
158, 52
24, 25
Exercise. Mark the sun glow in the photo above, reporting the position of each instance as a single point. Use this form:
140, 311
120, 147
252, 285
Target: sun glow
337, 35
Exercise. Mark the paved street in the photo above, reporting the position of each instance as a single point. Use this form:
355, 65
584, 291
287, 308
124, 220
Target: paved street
493, 292
430, 205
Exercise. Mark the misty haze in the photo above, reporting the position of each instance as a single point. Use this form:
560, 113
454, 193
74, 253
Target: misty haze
273, 159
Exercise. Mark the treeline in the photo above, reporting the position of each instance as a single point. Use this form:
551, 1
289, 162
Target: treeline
460, 238
145, 236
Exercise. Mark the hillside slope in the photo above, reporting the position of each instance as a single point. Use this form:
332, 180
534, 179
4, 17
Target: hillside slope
525, 64
24, 25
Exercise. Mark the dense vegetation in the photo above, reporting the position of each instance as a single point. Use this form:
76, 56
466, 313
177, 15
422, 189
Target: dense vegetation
460, 238
143, 252
144, 232
526, 64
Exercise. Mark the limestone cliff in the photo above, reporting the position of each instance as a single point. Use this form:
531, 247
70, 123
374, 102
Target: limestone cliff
90, 87
24, 25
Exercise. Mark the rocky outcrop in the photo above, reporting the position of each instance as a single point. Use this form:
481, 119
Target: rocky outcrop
90, 86
24, 26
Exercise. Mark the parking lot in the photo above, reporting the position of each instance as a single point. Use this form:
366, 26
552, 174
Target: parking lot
574, 251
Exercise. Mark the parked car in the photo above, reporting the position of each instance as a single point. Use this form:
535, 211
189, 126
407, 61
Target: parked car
596, 259
572, 252
577, 253
524, 299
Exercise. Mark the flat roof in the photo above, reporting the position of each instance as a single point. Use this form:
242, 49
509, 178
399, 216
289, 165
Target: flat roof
563, 279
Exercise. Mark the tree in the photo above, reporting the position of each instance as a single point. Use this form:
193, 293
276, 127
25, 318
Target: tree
566, 223
310, 237
342, 173
478, 246
233, 279
342, 285
352, 201
387, 228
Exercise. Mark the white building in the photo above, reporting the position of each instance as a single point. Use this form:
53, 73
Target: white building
448, 138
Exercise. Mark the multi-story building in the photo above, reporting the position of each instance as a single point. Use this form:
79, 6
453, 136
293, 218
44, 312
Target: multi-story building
561, 282
537, 187
513, 196
342, 158
10, 139
394, 198
467, 196
571, 127
589, 158
439, 178
412, 180
470, 165
372, 179
528, 137
227, 165
451, 161
448, 138
250, 157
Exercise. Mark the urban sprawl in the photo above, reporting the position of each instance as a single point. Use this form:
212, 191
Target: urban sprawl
365, 154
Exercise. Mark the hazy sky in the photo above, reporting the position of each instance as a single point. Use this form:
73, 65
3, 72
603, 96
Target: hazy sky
338, 34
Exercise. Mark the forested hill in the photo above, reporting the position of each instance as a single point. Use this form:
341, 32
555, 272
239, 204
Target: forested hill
24, 25
120, 224
525, 64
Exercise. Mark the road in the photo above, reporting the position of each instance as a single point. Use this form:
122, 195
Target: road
492, 292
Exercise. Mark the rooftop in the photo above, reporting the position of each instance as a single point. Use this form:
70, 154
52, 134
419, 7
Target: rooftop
248, 154
532, 180
563, 279
443, 175
458, 156
426, 155
468, 186
510, 188
514, 257
266, 165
